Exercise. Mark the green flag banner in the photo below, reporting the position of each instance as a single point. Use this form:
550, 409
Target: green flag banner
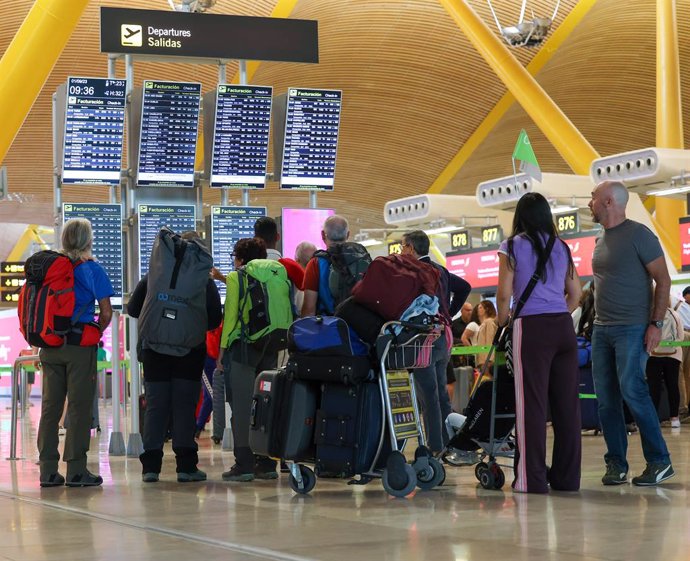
528, 160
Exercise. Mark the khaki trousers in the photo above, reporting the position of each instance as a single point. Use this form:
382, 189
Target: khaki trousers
68, 371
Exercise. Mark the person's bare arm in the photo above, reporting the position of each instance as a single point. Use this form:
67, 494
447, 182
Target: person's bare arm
105, 313
504, 290
662, 281
573, 291
309, 303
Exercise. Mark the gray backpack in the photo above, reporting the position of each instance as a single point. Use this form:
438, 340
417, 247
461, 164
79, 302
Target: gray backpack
173, 319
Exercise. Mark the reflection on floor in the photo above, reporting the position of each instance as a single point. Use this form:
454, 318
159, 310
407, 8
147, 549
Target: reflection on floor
129, 520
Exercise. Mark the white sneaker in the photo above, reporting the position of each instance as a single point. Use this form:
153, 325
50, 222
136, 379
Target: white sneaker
62, 431
675, 423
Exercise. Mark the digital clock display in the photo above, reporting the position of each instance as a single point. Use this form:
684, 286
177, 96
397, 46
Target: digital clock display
94, 131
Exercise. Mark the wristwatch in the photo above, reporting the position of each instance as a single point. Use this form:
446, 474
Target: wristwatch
658, 324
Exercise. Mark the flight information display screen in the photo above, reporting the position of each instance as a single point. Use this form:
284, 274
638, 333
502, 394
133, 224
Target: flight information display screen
179, 218
228, 225
169, 126
240, 137
106, 223
94, 129
311, 139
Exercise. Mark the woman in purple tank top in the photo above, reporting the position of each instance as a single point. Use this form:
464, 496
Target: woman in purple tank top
545, 360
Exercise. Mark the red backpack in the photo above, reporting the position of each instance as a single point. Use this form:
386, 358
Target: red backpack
392, 283
46, 302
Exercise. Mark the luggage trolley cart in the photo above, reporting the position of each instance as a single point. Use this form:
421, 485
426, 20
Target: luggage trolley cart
398, 354
492, 448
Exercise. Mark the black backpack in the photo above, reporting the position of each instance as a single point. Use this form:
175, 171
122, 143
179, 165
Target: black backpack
345, 264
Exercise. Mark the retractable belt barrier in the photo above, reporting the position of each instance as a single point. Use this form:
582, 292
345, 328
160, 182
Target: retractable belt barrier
18, 386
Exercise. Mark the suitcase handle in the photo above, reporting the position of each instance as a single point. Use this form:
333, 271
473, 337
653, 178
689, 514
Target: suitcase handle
252, 415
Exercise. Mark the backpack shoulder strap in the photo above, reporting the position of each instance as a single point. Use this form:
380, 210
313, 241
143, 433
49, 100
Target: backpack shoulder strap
326, 304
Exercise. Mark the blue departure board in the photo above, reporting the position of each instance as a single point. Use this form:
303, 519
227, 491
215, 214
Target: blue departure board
179, 218
229, 224
240, 137
169, 126
312, 120
94, 129
106, 223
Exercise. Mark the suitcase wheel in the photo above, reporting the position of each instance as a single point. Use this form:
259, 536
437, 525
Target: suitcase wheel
429, 471
308, 481
399, 478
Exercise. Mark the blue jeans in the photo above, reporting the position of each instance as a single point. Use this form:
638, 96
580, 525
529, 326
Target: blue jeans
430, 385
618, 367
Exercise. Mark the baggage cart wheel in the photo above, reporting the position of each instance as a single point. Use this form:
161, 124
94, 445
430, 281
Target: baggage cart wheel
499, 476
410, 484
479, 468
308, 481
487, 479
430, 473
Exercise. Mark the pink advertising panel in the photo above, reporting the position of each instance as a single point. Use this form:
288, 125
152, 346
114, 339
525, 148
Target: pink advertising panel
303, 224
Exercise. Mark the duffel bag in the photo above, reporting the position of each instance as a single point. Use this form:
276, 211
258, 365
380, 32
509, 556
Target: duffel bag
324, 336
391, 284
348, 370
362, 320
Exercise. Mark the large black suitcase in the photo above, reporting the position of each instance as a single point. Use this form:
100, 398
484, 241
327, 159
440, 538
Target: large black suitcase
478, 410
281, 424
339, 369
348, 428
589, 406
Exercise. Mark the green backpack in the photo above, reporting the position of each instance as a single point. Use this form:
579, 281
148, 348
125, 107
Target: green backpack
265, 299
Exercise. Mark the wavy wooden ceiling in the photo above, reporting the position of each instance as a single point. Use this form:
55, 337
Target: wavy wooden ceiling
414, 91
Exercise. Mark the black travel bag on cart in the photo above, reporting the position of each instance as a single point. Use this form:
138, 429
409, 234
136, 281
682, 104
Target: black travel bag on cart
347, 429
282, 416
324, 349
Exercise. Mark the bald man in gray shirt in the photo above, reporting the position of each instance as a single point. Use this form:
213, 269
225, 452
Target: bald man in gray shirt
627, 327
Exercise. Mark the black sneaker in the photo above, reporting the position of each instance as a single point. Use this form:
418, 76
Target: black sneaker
86, 479
53, 480
270, 474
236, 474
654, 474
615, 475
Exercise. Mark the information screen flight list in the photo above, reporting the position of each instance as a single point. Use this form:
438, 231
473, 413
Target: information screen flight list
228, 225
240, 138
169, 125
311, 139
106, 223
179, 218
94, 129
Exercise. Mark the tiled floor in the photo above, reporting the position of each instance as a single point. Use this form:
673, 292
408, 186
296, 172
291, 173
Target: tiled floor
129, 520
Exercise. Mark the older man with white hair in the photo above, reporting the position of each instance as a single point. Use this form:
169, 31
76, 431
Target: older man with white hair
627, 327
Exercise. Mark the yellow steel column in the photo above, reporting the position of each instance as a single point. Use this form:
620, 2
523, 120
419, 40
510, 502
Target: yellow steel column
669, 117
568, 141
30, 58
547, 51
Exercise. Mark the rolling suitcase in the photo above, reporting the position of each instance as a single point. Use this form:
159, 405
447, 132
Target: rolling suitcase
589, 406
348, 428
281, 424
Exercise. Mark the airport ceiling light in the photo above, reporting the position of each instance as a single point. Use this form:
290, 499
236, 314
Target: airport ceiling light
559, 188
440, 227
649, 171
525, 33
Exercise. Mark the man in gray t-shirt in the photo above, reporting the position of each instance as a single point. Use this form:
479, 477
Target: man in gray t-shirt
627, 327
